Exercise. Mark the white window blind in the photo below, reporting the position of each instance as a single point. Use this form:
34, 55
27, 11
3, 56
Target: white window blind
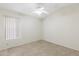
10, 23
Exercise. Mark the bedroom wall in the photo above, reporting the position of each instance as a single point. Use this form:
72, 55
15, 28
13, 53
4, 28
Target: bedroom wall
62, 27
29, 30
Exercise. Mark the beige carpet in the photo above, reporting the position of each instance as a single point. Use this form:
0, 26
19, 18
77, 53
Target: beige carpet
39, 48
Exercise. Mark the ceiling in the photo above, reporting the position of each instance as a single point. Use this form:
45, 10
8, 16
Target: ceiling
30, 8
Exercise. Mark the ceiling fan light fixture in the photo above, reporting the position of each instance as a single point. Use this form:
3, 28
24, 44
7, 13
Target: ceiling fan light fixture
40, 11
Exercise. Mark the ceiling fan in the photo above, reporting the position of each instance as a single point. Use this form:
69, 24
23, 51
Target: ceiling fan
40, 10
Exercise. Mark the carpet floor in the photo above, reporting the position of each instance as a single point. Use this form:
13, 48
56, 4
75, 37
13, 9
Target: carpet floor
39, 48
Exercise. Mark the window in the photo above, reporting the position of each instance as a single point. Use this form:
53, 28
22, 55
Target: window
10, 27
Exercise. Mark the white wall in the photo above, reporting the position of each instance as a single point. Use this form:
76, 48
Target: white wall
62, 27
29, 30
